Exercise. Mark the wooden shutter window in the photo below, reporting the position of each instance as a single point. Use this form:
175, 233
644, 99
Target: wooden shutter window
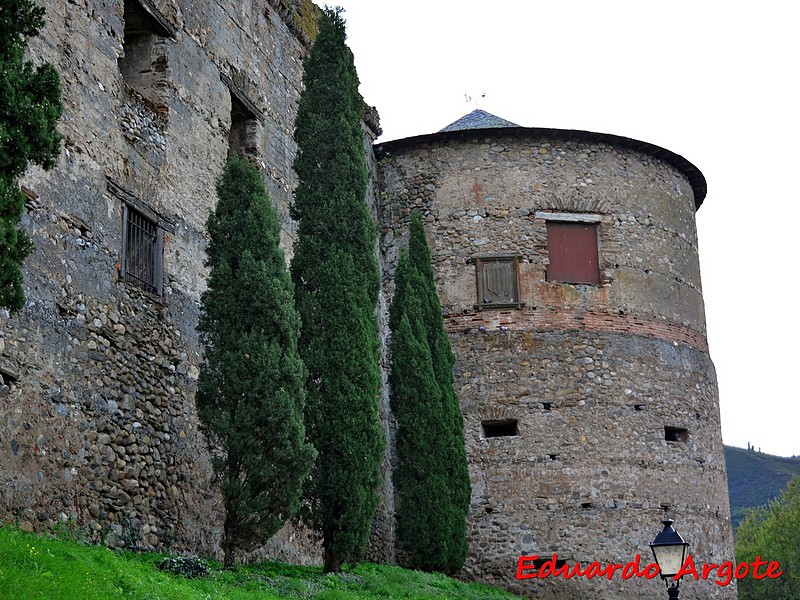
573, 252
497, 280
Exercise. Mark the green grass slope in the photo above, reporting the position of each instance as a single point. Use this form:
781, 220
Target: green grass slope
755, 478
33, 567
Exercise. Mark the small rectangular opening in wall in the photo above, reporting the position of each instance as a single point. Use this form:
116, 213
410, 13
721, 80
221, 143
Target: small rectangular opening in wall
246, 121
504, 428
243, 136
143, 64
547, 405
640, 407
676, 434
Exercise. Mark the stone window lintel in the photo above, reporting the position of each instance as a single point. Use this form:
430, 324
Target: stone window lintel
141, 207
159, 23
254, 113
570, 217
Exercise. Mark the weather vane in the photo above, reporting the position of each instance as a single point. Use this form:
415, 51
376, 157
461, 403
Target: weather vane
469, 100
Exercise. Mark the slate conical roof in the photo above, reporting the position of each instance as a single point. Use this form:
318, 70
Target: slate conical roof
478, 119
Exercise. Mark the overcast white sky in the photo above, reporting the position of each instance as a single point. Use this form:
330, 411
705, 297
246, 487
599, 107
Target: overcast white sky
715, 82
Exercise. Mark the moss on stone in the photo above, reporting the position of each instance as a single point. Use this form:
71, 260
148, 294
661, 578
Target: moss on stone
307, 17
304, 15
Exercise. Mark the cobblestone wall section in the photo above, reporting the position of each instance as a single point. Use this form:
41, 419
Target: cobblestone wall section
98, 428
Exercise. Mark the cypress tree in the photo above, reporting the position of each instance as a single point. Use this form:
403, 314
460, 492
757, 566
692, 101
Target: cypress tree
30, 106
335, 273
251, 393
423, 507
430, 430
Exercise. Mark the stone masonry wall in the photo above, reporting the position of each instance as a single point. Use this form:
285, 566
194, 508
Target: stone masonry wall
592, 375
97, 422
97, 377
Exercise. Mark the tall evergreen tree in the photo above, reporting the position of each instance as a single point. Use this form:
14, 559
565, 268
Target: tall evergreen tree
432, 461
335, 272
30, 106
423, 505
251, 393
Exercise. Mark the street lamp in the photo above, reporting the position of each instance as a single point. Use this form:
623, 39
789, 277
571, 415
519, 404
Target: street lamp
669, 550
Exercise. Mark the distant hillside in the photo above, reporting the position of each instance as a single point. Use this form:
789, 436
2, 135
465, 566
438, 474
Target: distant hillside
755, 478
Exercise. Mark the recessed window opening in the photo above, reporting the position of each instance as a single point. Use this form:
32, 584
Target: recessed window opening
503, 428
572, 250
547, 405
586, 505
640, 406
676, 434
243, 136
142, 252
143, 63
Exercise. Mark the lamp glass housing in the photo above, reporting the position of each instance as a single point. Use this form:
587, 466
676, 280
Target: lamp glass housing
670, 559
669, 550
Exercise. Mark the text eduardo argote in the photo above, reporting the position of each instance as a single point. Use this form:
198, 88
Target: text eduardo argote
531, 567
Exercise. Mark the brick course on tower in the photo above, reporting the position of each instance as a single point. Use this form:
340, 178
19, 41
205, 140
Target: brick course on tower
591, 408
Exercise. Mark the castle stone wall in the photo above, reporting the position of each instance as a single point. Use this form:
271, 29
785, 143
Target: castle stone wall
97, 418
97, 423
593, 376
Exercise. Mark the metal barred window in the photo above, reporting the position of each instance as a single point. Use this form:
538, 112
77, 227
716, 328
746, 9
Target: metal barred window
142, 251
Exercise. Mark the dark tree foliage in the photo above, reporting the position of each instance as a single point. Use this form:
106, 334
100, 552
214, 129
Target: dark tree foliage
432, 479
423, 506
771, 532
30, 106
335, 273
251, 393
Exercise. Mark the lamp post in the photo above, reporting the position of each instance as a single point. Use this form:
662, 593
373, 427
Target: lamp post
669, 550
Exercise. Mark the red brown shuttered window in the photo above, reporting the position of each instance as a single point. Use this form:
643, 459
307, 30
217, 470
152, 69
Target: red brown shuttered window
142, 251
573, 252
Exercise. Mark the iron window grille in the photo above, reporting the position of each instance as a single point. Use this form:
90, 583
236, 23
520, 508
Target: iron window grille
142, 251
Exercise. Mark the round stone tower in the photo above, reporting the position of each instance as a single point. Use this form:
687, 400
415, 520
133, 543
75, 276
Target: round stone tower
567, 268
